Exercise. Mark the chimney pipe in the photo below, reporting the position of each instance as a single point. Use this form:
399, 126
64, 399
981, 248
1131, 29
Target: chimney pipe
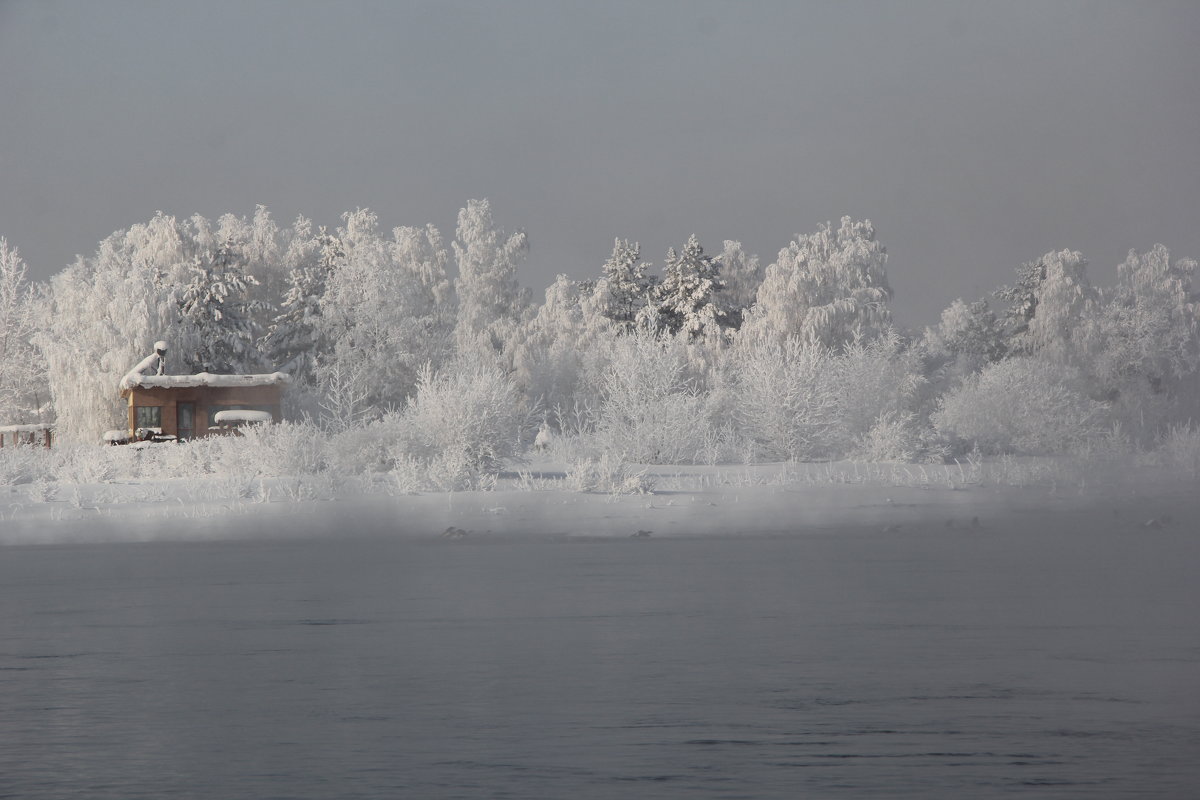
160, 350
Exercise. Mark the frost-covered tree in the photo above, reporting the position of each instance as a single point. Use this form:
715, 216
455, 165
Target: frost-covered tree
1153, 319
742, 275
105, 313
787, 397
387, 308
968, 334
688, 299
458, 427
293, 341
652, 410
626, 285
563, 348
828, 288
1024, 404
23, 389
1062, 300
217, 309
878, 380
1143, 344
1022, 297
490, 301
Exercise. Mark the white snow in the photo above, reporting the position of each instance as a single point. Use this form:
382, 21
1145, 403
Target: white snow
202, 379
32, 428
241, 415
153, 361
124, 494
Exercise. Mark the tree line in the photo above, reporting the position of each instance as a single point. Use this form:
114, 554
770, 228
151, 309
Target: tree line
714, 352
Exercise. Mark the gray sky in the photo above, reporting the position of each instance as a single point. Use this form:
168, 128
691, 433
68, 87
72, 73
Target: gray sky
974, 136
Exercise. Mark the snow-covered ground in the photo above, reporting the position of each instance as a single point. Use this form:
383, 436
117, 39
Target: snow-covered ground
543, 498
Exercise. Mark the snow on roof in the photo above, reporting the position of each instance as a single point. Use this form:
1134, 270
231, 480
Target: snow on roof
242, 415
201, 379
34, 428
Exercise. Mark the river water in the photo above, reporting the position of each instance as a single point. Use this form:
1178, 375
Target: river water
935, 663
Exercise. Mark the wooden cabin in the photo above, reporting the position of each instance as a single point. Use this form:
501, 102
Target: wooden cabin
186, 406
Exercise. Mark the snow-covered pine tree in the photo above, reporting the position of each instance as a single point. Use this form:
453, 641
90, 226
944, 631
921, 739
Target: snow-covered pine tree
626, 286
216, 307
293, 341
1022, 298
968, 333
830, 288
688, 298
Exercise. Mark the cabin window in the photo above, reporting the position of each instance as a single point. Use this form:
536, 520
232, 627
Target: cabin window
148, 417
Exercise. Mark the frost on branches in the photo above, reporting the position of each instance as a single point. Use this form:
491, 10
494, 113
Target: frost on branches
687, 300
386, 311
293, 340
490, 301
218, 312
828, 288
402, 365
23, 389
742, 275
625, 285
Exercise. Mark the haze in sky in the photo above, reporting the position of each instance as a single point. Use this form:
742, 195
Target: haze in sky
975, 136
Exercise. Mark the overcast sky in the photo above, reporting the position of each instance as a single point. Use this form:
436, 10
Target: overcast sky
974, 136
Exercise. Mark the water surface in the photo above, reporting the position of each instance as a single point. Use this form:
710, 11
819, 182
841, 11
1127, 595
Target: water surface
932, 663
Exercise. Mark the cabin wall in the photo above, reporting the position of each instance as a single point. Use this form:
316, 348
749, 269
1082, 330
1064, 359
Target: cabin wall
203, 398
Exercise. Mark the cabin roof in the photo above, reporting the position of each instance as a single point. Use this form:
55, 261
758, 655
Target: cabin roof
136, 380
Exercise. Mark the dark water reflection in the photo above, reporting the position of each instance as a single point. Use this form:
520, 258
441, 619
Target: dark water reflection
939, 664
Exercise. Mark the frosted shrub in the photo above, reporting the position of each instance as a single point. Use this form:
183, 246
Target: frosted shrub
85, 464
651, 412
608, 474
1021, 405
364, 448
1180, 448
875, 380
23, 464
459, 427
893, 437
786, 401
286, 448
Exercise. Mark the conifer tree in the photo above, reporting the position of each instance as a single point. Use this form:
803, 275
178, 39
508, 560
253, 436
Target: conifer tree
688, 299
216, 306
627, 285
294, 340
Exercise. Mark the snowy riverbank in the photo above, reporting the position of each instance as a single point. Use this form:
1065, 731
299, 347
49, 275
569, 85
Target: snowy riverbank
543, 499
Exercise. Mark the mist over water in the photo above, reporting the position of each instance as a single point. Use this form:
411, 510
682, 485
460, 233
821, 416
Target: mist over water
935, 664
